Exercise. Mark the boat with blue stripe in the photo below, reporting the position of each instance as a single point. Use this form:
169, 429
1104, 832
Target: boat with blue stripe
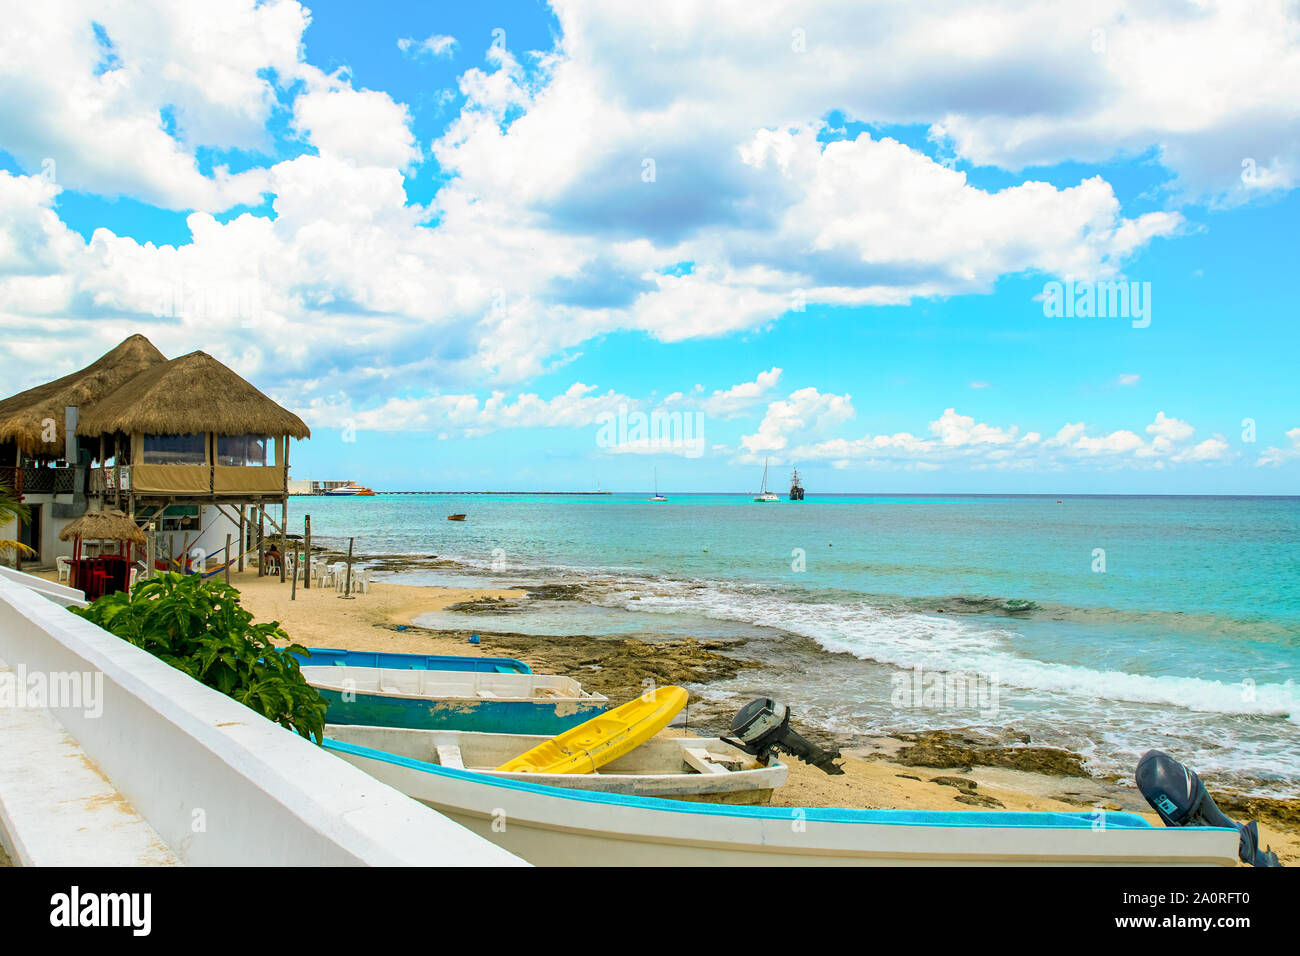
339, 657
558, 827
487, 702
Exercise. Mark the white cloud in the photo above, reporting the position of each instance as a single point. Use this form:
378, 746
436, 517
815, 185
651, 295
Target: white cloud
362, 126
1129, 379
1273, 455
548, 233
727, 403
94, 105
957, 440
806, 411
436, 45
463, 414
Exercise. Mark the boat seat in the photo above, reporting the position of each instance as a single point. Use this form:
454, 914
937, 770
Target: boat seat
449, 755
701, 760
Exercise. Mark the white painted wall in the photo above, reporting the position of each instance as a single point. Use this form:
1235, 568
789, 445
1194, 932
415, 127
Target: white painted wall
178, 750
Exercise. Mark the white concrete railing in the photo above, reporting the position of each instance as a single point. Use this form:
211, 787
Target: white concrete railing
60, 594
219, 784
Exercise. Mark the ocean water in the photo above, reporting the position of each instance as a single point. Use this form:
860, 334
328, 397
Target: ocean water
1107, 625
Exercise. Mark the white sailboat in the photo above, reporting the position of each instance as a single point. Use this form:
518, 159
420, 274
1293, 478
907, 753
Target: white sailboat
658, 497
766, 495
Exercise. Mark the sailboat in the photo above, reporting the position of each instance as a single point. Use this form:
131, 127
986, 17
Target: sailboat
766, 495
658, 497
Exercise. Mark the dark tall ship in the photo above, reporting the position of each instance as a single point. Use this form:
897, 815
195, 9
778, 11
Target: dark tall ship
796, 489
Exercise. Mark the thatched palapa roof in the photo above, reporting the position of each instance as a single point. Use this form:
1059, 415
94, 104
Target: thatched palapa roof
193, 393
109, 525
21, 415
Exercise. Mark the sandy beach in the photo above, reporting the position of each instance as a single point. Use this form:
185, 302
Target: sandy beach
879, 773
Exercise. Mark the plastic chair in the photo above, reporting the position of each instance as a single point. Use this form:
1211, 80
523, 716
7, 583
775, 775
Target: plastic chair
64, 566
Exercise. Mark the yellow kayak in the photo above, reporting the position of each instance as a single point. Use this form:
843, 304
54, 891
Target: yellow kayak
603, 738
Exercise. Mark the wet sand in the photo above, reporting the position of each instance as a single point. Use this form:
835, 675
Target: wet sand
937, 771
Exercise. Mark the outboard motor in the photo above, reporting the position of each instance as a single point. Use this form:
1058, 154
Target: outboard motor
762, 727
1180, 798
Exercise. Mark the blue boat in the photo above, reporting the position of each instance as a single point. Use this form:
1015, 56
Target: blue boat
414, 662
486, 702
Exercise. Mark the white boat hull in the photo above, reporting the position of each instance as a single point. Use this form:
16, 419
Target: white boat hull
662, 767
554, 827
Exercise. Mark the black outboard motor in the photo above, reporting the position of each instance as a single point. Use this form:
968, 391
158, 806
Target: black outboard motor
762, 727
1180, 798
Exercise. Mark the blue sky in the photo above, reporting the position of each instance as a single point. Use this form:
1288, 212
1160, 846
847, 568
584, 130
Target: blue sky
466, 241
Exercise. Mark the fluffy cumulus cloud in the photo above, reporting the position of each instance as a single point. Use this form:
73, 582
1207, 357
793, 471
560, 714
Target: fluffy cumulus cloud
116, 98
575, 188
805, 412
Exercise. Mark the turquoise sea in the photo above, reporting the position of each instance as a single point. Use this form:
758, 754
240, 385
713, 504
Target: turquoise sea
1107, 625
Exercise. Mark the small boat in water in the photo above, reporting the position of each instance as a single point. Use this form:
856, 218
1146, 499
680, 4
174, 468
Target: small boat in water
558, 826
455, 517
339, 657
765, 495
681, 768
453, 699
796, 489
657, 496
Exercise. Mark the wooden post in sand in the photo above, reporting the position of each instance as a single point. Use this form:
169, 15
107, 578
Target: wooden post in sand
347, 585
242, 539
293, 581
261, 547
306, 552
227, 559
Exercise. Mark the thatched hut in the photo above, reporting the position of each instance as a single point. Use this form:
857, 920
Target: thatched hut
191, 426
33, 420
186, 447
110, 525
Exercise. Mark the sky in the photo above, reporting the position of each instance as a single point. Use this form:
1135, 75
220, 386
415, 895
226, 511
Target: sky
928, 247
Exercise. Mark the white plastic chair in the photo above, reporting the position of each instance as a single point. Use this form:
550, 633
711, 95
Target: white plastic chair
131, 578
64, 566
361, 581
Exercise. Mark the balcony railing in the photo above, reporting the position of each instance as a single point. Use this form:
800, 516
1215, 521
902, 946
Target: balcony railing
39, 480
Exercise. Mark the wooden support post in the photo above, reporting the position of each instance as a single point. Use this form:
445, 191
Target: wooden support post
227, 559
151, 552
347, 586
284, 541
242, 546
306, 556
261, 547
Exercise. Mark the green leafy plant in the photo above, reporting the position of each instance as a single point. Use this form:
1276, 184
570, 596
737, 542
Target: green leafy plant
199, 627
